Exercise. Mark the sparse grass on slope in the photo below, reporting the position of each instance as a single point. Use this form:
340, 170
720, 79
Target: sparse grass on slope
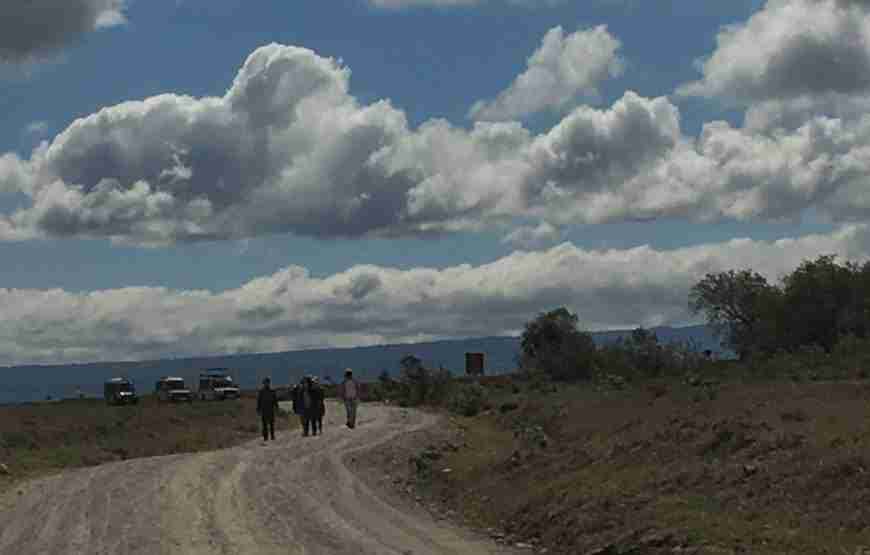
762, 468
38, 439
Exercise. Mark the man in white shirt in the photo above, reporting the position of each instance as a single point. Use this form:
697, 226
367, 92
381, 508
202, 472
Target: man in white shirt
349, 392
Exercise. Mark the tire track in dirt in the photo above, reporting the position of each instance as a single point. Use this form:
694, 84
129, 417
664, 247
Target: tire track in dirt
294, 495
92, 510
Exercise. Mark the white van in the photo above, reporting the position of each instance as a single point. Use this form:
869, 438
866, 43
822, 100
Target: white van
216, 384
169, 388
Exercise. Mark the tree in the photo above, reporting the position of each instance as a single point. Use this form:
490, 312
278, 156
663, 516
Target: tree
861, 304
410, 363
553, 343
420, 384
548, 330
734, 304
646, 352
816, 305
824, 302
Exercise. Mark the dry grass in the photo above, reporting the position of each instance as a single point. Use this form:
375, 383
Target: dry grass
762, 468
775, 468
39, 439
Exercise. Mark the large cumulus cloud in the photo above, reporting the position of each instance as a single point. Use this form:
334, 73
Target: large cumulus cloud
791, 61
285, 148
564, 68
741, 174
31, 29
791, 48
289, 149
373, 304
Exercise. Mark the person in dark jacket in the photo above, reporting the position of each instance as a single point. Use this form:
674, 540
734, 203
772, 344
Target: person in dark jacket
302, 405
294, 396
319, 406
267, 407
298, 402
307, 405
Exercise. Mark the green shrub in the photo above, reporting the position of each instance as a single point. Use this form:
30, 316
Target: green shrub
809, 364
17, 440
467, 399
419, 386
553, 344
642, 357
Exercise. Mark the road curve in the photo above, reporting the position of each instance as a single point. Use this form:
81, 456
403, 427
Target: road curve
293, 495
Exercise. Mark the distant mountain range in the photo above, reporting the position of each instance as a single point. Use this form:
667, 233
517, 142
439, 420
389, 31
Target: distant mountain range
38, 382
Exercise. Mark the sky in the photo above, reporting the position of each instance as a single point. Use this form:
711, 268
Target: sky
212, 177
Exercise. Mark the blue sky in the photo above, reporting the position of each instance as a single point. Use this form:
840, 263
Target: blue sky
647, 137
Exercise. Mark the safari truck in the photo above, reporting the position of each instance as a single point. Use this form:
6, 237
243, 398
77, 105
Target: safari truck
169, 388
216, 384
120, 391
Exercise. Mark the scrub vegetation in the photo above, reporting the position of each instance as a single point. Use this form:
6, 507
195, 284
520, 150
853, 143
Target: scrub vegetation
639, 447
42, 438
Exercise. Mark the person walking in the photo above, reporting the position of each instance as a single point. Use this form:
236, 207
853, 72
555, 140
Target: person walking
267, 407
306, 406
348, 391
299, 405
319, 405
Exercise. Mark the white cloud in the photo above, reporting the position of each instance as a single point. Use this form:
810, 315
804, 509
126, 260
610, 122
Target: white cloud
801, 68
562, 70
288, 149
34, 29
15, 175
592, 154
528, 237
646, 169
285, 149
371, 304
745, 175
790, 49
792, 61
791, 113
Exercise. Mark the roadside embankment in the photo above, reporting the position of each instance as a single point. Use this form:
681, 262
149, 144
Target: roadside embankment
662, 467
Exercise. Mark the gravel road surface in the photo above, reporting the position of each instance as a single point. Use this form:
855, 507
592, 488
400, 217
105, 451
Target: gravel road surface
291, 496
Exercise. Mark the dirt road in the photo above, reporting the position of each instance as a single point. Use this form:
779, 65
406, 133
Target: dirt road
293, 495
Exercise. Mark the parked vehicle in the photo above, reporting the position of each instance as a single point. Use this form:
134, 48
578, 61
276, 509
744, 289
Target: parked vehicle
120, 391
169, 388
216, 384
